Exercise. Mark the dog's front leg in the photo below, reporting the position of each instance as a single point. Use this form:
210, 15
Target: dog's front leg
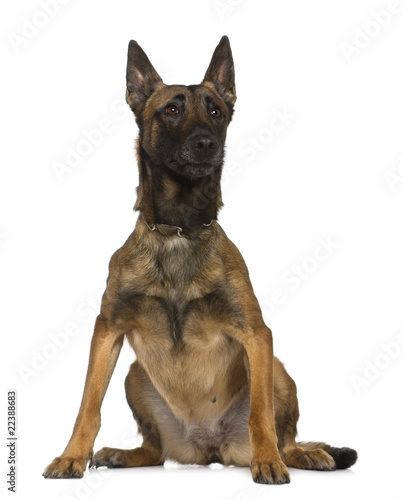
105, 349
266, 466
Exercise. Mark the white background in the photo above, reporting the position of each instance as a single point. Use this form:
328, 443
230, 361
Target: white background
322, 176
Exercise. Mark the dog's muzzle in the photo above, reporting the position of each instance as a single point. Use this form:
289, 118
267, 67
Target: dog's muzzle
202, 148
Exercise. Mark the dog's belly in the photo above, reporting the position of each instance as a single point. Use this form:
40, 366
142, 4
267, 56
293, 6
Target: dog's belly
198, 378
223, 438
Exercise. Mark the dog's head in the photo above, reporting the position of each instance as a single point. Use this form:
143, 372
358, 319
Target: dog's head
182, 128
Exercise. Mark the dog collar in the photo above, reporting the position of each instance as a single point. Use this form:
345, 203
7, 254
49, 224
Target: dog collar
167, 230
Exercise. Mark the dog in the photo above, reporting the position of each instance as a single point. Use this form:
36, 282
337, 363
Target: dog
205, 386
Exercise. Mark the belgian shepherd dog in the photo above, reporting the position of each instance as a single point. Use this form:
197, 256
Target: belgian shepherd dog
205, 386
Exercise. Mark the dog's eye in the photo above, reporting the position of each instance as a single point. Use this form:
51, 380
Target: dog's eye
172, 109
216, 112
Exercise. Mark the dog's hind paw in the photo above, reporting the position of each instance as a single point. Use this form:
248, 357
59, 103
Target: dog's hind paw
115, 458
108, 457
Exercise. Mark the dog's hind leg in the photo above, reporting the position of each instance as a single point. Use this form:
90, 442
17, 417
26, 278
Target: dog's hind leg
117, 458
150, 452
313, 456
310, 457
321, 456
287, 414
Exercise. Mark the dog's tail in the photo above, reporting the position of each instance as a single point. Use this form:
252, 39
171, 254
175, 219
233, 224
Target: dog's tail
343, 457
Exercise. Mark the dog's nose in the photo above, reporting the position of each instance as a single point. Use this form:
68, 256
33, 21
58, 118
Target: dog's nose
203, 142
203, 145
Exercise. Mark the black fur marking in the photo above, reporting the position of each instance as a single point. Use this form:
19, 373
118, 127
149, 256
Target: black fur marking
180, 97
125, 298
343, 457
221, 304
214, 459
176, 319
150, 434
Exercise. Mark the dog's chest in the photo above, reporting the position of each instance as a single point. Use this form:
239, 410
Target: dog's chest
190, 364
177, 323
177, 311
174, 294
183, 346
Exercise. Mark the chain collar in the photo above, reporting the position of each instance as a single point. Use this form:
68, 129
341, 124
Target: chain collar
167, 230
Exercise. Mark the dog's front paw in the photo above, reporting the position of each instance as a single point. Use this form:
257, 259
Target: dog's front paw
66, 467
269, 472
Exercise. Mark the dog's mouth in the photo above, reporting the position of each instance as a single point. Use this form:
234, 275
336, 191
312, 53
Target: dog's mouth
192, 169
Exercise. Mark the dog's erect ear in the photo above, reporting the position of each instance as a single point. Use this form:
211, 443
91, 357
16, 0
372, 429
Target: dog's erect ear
141, 77
221, 71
